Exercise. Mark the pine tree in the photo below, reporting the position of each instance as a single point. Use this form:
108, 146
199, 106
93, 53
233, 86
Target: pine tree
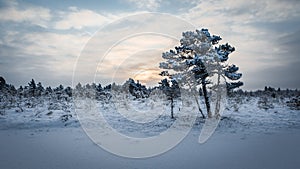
32, 88
78, 91
48, 90
99, 88
196, 59
40, 89
136, 89
20, 91
68, 91
171, 91
108, 87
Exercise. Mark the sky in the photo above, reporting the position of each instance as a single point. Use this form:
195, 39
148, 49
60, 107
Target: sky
48, 40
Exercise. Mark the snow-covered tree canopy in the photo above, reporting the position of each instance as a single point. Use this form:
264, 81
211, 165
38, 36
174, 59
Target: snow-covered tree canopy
171, 90
197, 57
199, 60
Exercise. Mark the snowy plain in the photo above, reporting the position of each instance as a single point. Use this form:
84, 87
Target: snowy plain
252, 134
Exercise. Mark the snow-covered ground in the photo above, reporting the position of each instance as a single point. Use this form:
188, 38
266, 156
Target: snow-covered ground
253, 133
70, 148
249, 114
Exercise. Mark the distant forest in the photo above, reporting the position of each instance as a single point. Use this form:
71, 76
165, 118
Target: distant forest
59, 98
138, 90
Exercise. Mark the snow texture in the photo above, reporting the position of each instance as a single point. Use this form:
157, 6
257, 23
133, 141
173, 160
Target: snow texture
257, 130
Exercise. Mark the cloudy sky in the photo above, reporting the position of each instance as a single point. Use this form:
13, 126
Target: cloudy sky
44, 39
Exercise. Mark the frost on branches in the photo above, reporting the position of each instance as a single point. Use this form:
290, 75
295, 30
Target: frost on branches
199, 64
172, 91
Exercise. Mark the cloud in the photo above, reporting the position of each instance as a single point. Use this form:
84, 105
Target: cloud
129, 37
47, 57
146, 4
30, 14
259, 30
54, 44
223, 15
43, 42
276, 11
136, 57
80, 18
249, 11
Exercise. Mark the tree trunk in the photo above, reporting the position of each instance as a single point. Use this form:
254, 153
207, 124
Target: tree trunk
172, 107
196, 99
218, 104
206, 99
203, 116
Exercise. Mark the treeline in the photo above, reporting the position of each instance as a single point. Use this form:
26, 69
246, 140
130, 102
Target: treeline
36, 90
136, 89
267, 92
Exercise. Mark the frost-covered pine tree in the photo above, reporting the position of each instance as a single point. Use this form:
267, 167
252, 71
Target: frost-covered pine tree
32, 88
195, 60
68, 91
136, 89
40, 89
171, 91
48, 90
